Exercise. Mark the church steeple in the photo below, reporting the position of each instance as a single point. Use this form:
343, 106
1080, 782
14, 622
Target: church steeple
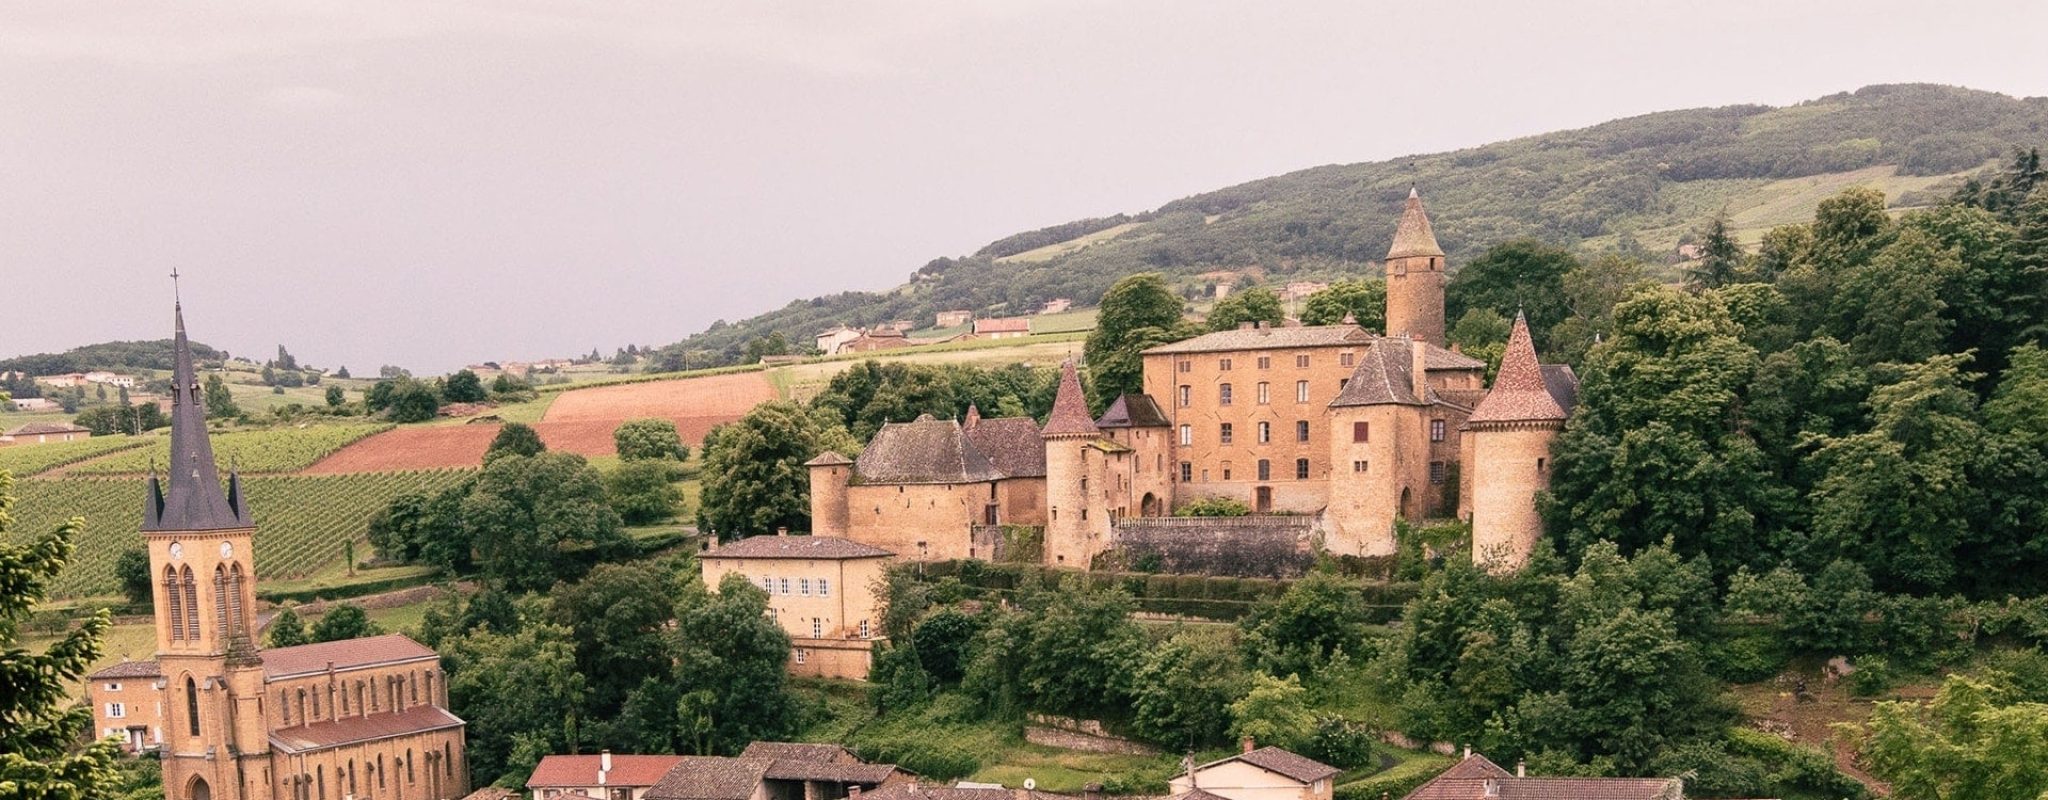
190, 497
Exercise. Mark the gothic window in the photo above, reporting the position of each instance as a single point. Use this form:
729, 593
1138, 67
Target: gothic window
410, 777
320, 776
415, 687
447, 760
176, 601
1301, 469
284, 703
220, 602
191, 706
235, 618
380, 770
191, 602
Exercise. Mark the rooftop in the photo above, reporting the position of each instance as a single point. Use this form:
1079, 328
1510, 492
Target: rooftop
1012, 444
37, 428
353, 730
1525, 390
1265, 338
1133, 411
561, 770
711, 778
305, 659
1281, 762
1414, 236
1476, 778
798, 547
1070, 415
924, 451
129, 669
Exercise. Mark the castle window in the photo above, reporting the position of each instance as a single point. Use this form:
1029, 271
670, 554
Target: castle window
1265, 432
1265, 362
1301, 362
113, 687
1184, 365
1187, 394
1301, 469
1226, 471
321, 773
116, 711
1539, 465
380, 770
1223, 394
1301, 430
1436, 472
1343, 382
802, 655
767, 584
803, 587
865, 632
1265, 470
1301, 390
817, 628
1224, 433
1187, 471
447, 760
824, 588
1436, 430
191, 707
1357, 466
785, 586
191, 603
1187, 435
1361, 431
1223, 365
1346, 359
1265, 395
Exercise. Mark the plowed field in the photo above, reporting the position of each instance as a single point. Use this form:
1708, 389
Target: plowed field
580, 421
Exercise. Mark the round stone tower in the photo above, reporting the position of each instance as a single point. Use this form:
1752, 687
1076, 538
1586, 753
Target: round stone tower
830, 474
1511, 432
1415, 277
1074, 532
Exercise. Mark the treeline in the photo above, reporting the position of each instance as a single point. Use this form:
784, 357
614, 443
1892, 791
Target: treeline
151, 354
1050, 235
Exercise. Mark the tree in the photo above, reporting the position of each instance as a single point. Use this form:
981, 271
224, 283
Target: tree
342, 372
1720, 258
528, 513
944, 642
425, 529
40, 727
1524, 275
641, 493
1299, 631
755, 480
344, 621
122, 419
220, 403
1181, 694
521, 691
1083, 650
649, 439
464, 387
1257, 304
735, 688
287, 630
618, 617
514, 439
131, 570
1363, 300
1972, 743
406, 399
1137, 312
1273, 711
335, 397
269, 375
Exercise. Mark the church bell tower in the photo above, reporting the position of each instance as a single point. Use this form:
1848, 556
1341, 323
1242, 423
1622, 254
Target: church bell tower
203, 569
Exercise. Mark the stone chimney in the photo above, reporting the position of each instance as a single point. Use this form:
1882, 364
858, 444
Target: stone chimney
783, 531
1247, 744
1521, 769
1418, 367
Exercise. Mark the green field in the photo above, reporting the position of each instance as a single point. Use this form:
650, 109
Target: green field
275, 450
23, 460
302, 521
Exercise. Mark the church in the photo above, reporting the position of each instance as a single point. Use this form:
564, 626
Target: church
366, 718
1347, 429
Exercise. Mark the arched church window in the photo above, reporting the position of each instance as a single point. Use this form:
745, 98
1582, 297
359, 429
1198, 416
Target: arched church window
191, 602
220, 601
235, 618
175, 602
191, 706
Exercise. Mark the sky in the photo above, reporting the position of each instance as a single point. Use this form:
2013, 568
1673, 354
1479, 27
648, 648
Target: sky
432, 184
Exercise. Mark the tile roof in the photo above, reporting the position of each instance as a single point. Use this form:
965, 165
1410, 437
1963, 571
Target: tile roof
822, 547
827, 459
634, 770
1414, 236
1012, 444
1384, 375
1003, 325
1198, 793
129, 669
925, 451
1133, 411
1436, 358
797, 769
800, 751
1070, 407
1474, 766
345, 654
1512, 788
917, 791
711, 778
1299, 767
36, 428
1521, 392
351, 730
1269, 339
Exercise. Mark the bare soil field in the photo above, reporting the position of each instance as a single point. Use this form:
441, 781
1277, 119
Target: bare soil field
723, 397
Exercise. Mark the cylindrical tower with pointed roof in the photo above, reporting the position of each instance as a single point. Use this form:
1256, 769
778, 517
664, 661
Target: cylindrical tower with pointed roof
1511, 432
1074, 532
1415, 277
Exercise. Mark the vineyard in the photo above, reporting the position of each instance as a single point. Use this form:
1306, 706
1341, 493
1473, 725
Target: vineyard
276, 450
302, 521
23, 460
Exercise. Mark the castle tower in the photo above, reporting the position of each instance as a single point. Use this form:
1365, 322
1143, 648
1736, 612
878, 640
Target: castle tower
1074, 532
830, 475
1511, 432
203, 568
1378, 456
1415, 278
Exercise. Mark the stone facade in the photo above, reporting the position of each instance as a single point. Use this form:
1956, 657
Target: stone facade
821, 589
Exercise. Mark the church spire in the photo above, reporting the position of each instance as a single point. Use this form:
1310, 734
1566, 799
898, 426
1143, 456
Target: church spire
190, 497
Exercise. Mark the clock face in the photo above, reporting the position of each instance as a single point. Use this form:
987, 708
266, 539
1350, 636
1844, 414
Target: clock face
227, 550
177, 550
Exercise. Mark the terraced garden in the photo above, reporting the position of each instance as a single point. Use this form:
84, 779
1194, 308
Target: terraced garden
274, 450
303, 522
23, 460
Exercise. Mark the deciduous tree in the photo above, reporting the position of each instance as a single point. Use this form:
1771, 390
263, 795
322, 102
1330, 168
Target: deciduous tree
528, 513
652, 438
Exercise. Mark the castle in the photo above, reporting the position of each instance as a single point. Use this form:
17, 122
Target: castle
1351, 429
365, 718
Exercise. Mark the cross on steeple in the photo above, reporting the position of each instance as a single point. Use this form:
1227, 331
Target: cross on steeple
175, 295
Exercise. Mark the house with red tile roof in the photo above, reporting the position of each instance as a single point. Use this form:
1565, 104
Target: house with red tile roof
1476, 778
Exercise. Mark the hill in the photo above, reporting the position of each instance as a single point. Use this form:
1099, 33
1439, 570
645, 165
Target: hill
1645, 180
150, 354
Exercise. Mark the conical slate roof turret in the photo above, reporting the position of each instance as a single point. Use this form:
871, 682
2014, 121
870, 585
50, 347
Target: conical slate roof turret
189, 498
1520, 392
1070, 408
1413, 237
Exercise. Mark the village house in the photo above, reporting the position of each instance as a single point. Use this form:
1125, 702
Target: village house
1349, 430
598, 777
1265, 773
127, 703
1002, 328
360, 718
110, 379
773, 771
1056, 305
33, 404
45, 433
820, 589
1476, 778
955, 317
65, 381
882, 338
832, 341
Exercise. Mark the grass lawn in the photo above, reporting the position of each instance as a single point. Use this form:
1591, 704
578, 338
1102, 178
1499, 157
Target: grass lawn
335, 575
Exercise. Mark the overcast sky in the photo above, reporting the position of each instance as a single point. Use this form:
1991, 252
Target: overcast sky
436, 183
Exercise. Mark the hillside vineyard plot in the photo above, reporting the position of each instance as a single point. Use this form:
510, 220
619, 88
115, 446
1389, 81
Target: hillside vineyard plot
279, 450
302, 521
23, 460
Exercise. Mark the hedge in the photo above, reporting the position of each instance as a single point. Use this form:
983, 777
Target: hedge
1218, 598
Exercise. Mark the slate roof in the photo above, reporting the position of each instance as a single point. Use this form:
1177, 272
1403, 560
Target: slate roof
1133, 411
1070, 407
1012, 444
1385, 374
1299, 767
1414, 236
352, 730
711, 778
801, 547
129, 669
1269, 338
635, 770
925, 451
192, 499
305, 659
1523, 391
39, 428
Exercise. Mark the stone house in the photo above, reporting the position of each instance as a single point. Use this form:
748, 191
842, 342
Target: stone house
1002, 328
830, 342
1476, 778
876, 339
773, 771
127, 701
922, 487
45, 433
948, 319
820, 589
1265, 773
1056, 305
600, 777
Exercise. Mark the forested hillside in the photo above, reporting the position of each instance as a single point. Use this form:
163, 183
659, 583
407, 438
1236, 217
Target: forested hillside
1638, 184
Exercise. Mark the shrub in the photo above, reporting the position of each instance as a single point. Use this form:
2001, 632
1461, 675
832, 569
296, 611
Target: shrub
1214, 507
1873, 676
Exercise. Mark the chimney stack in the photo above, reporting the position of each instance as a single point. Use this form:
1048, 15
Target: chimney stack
604, 760
1468, 751
782, 531
1521, 769
1418, 367
1247, 744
